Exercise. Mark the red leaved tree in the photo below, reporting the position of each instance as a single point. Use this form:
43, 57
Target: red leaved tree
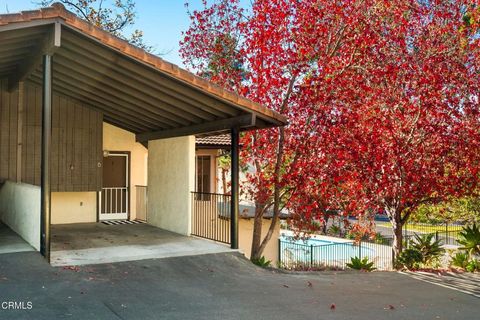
381, 96
260, 53
407, 132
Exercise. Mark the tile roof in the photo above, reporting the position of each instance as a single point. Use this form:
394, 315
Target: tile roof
218, 140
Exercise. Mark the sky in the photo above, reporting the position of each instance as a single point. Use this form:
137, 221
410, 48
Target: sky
161, 21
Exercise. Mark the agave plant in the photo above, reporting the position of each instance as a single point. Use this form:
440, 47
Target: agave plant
262, 262
473, 265
361, 264
460, 259
430, 248
469, 239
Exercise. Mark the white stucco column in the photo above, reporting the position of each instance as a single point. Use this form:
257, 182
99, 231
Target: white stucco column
171, 178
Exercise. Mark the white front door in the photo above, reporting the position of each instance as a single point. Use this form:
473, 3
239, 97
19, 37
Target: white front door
114, 197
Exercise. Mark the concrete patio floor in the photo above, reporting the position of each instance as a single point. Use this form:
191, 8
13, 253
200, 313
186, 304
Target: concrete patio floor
12, 242
95, 243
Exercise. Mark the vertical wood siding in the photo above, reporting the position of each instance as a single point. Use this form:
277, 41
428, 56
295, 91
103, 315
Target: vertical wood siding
8, 133
76, 141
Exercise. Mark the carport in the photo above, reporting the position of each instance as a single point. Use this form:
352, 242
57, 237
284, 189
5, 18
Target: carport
60, 74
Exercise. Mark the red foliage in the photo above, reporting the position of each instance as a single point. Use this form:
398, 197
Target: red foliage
382, 98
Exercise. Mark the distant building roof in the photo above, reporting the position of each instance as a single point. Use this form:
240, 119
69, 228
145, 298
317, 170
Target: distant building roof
219, 141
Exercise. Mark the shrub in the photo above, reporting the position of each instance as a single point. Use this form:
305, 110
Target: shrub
380, 239
361, 264
262, 262
350, 235
410, 258
473, 265
429, 248
460, 260
469, 239
334, 230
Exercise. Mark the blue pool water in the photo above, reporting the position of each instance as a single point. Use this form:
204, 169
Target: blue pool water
317, 251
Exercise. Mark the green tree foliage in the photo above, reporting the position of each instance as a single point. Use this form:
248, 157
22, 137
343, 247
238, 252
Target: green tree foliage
463, 210
224, 163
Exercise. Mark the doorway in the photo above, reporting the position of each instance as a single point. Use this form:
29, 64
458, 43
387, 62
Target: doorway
114, 198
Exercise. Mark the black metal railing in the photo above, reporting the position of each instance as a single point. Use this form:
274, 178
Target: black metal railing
211, 216
306, 255
321, 254
446, 232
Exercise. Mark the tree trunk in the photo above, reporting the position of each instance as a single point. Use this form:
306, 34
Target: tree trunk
256, 253
325, 222
276, 195
397, 238
395, 216
258, 245
224, 181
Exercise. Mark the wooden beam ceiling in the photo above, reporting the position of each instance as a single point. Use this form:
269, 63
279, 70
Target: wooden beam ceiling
135, 94
150, 89
99, 82
49, 45
161, 82
243, 121
125, 101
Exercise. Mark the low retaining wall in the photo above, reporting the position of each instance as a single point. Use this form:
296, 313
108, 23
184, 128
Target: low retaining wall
20, 210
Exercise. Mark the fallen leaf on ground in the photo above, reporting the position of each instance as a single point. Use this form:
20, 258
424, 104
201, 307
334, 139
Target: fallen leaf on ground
332, 306
72, 268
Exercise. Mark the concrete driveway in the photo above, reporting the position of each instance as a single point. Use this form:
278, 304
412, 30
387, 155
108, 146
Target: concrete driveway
217, 286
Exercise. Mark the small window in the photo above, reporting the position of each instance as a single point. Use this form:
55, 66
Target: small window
203, 179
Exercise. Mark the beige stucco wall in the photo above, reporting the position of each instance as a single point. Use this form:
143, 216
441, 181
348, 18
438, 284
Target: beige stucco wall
245, 235
171, 175
116, 139
20, 210
74, 207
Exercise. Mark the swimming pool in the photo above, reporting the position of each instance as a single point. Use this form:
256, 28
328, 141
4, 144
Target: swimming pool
321, 252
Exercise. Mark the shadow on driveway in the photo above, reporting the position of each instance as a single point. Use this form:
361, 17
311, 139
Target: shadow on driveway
468, 283
217, 286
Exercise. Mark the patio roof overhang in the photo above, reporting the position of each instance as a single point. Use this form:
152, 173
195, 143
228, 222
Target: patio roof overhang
134, 90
